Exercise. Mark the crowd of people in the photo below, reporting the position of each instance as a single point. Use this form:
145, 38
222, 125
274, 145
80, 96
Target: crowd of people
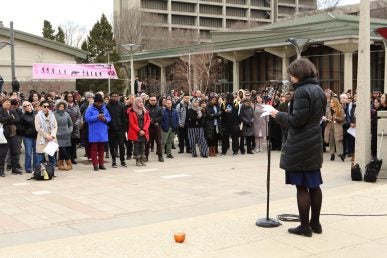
131, 127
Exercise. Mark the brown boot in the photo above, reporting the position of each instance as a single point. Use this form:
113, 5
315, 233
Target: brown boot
211, 151
61, 165
69, 165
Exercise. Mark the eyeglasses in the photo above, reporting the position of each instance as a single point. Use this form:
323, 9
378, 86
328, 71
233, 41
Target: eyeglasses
45, 106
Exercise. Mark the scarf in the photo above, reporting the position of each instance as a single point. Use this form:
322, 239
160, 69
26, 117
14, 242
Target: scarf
42, 122
198, 111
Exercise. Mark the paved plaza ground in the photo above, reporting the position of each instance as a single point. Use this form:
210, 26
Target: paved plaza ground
134, 211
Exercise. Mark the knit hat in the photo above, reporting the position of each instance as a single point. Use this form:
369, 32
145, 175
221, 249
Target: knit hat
98, 98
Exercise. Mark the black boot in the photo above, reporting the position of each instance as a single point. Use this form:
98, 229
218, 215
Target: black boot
138, 163
332, 157
17, 171
142, 161
2, 172
302, 231
161, 159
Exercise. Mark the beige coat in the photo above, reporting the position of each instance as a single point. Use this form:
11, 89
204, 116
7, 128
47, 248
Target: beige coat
39, 146
337, 127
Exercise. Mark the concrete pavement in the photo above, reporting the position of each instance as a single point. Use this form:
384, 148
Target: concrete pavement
133, 212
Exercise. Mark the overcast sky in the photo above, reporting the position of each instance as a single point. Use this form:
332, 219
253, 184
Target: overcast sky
28, 15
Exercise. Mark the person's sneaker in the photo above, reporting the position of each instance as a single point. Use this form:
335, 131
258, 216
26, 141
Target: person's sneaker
170, 156
235, 153
128, 157
8, 168
96, 168
316, 229
114, 165
188, 151
300, 230
180, 151
102, 167
123, 164
161, 159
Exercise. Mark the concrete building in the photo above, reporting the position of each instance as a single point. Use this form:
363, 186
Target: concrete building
31, 49
253, 57
203, 16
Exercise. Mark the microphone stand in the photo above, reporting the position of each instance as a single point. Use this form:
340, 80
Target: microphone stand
268, 222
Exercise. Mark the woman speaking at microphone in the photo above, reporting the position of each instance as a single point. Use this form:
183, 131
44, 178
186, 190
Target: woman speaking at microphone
302, 150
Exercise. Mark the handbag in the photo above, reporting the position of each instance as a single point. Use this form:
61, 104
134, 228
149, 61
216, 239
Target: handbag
3, 140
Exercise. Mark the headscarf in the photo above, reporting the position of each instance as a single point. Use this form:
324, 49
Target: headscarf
136, 108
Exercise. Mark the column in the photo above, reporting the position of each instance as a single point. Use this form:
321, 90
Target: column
363, 128
348, 73
385, 68
235, 76
163, 79
285, 65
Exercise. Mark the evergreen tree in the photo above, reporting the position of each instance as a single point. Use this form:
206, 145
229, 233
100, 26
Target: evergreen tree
99, 44
60, 36
48, 31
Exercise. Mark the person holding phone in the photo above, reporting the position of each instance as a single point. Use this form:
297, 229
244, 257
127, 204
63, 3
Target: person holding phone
97, 117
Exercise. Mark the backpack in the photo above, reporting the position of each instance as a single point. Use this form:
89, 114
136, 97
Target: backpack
356, 172
372, 170
43, 171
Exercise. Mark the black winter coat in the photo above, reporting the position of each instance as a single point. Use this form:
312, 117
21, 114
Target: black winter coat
119, 122
193, 120
10, 122
155, 113
27, 123
302, 149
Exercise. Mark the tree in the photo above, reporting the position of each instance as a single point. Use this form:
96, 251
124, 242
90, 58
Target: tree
135, 26
60, 37
205, 66
100, 45
327, 4
74, 33
48, 31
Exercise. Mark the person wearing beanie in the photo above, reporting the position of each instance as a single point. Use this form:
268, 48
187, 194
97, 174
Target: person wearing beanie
97, 117
63, 135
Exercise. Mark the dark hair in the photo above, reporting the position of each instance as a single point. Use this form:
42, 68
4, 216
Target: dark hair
66, 96
44, 102
302, 69
4, 100
113, 93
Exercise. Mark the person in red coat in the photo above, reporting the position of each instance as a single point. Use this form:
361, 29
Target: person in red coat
139, 121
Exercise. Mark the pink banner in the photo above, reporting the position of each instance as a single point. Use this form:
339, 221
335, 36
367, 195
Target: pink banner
73, 71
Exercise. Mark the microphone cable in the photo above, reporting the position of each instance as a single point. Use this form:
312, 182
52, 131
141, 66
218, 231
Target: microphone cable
296, 218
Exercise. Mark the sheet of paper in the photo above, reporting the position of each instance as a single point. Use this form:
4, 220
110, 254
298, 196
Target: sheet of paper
352, 131
51, 148
267, 109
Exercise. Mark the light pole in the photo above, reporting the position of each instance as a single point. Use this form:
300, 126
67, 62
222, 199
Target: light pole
383, 33
108, 56
299, 44
131, 48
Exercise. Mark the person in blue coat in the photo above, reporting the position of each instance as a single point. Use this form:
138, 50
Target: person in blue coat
169, 126
97, 117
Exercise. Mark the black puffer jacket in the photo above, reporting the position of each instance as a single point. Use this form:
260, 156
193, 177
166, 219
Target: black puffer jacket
27, 122
302, 149
119, 122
